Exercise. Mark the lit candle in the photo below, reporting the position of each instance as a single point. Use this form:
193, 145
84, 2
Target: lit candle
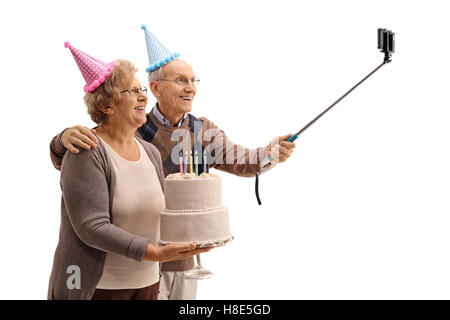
196, 163
192, 171
181, 162
204, 162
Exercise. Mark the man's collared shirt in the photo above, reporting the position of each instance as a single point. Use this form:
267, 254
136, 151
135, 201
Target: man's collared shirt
163, 120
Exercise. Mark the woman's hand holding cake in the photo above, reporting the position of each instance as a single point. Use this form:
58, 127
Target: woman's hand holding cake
172, 252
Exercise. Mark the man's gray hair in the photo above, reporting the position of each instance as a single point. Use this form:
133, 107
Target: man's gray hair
156, 74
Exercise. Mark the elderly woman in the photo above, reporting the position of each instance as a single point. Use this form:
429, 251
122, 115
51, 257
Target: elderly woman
112, 197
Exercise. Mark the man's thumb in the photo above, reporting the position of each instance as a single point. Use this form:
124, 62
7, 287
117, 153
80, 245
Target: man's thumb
285, 137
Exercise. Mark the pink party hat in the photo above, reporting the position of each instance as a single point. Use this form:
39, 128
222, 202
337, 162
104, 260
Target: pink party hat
93, 70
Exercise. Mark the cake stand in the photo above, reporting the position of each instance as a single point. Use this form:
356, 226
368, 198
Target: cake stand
198, 272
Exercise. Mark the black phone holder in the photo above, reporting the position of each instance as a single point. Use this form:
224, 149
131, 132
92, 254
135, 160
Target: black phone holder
386, 43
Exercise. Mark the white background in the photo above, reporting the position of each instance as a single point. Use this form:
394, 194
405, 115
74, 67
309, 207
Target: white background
360, 210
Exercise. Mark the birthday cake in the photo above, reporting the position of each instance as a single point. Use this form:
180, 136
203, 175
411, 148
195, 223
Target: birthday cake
193, 210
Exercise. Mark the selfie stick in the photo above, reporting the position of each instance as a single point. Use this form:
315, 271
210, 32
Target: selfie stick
386, 44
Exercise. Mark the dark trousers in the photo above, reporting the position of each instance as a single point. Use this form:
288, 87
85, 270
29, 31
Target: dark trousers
147, 293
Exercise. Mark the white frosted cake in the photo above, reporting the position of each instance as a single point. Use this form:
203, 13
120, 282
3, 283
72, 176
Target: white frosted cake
193, 210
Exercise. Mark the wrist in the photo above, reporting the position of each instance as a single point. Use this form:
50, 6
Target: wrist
59, 137
263, 158
152, 253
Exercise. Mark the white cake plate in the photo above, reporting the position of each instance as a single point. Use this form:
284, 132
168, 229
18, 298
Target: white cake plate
214, 243
207, 244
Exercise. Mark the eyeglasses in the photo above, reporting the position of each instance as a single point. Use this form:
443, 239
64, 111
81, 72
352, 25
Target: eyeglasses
135, 91
182, 81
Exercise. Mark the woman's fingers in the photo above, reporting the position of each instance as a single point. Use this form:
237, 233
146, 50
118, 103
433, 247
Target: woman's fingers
184, 247
194, 252
202, 250
182, 251
191, 249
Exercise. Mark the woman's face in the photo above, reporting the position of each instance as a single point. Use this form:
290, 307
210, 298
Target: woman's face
132, 107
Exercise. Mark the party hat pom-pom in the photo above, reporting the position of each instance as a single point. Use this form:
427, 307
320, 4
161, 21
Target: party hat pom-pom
66, 44
143, 27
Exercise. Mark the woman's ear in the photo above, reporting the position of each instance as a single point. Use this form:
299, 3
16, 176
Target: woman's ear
154, 87
106, 110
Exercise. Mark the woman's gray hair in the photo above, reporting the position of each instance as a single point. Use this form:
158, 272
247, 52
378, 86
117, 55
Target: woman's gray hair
156, 74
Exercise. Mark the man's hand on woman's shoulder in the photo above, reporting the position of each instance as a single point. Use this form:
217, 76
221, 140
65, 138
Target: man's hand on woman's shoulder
79, 136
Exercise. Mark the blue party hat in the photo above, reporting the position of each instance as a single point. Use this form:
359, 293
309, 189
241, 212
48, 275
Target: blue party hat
158, 54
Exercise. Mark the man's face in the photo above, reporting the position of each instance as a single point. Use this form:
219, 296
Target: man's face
176, 95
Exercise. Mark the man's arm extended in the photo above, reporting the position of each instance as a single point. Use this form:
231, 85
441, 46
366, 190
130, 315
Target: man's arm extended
244, 162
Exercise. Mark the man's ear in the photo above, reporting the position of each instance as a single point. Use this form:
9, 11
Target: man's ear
154, 87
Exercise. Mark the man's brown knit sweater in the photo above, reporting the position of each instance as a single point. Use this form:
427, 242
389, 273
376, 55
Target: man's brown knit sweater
193, 135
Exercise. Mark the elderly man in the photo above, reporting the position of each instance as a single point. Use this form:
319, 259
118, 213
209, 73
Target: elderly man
174, 85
